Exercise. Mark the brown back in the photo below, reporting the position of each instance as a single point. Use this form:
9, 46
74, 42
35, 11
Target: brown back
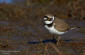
61, 25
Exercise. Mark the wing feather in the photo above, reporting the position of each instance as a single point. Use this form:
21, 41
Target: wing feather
61, 25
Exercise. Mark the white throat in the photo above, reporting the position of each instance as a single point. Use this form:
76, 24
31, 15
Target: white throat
53, 30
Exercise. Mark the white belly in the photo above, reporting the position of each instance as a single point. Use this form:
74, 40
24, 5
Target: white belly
53, 30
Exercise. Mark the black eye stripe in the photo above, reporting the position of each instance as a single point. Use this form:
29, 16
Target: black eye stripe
51, 19
45, 16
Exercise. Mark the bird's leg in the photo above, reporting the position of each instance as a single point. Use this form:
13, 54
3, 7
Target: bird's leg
58, 40
53, 36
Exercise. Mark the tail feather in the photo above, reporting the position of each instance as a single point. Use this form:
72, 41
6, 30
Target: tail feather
74, 27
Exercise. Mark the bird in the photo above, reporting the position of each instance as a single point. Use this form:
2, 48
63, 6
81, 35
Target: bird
56, 26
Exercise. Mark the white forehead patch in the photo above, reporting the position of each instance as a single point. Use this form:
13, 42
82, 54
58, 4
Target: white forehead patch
45, 18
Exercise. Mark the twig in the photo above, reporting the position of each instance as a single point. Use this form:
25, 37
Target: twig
55, 47
46, 50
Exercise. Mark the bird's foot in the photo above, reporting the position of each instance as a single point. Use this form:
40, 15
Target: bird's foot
58, 44
58, 41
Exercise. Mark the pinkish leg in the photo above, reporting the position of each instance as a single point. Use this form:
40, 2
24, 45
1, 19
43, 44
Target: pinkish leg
58, 40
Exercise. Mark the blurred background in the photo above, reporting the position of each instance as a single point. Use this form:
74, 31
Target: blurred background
21, 21
63, 8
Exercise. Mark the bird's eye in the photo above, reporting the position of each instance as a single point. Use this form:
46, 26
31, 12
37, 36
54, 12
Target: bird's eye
50, 19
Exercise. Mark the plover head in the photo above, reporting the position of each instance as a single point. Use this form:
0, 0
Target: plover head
48, 19
50, 24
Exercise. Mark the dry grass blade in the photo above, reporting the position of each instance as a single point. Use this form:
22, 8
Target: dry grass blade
46, 50
55, 47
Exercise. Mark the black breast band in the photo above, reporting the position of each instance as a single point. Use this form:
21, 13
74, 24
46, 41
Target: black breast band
49, 25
